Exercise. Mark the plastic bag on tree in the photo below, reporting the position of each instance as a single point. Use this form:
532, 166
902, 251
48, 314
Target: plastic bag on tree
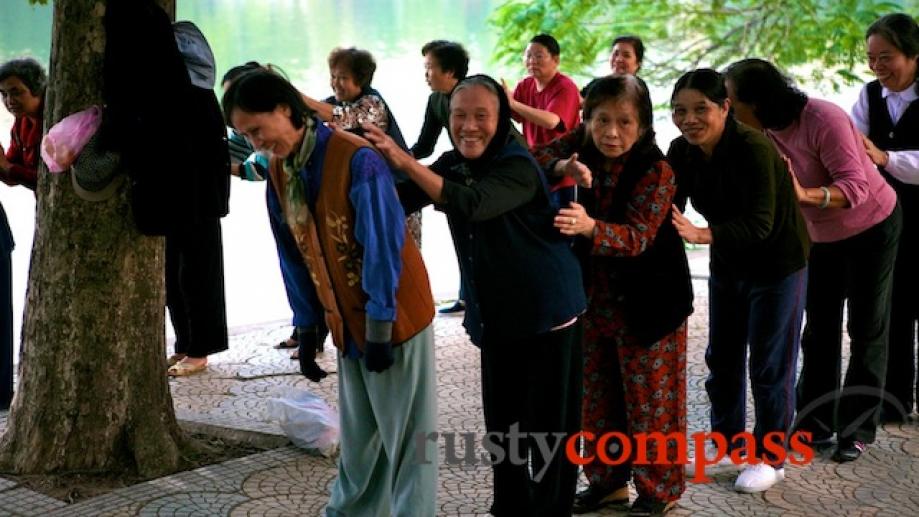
307, 420
64, 141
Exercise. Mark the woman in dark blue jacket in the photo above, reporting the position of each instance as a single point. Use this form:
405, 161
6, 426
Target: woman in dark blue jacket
523, 290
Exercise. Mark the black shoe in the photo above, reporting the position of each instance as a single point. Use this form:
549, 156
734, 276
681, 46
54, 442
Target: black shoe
645, 506
849, 451
819, 443
594, 498
459, 306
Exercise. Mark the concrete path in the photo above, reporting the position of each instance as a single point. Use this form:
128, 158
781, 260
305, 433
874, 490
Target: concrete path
233, 393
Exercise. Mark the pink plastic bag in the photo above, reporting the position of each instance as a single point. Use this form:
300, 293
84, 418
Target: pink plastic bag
66, 139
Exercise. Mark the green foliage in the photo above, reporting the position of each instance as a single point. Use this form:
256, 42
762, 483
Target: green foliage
42, 2
820, 40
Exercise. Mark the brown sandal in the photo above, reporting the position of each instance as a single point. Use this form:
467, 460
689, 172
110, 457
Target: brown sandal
174, 358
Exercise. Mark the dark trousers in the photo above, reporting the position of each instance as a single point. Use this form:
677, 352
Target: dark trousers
533, 385
6, 332
858, 269
194, 288
902, 385
766, 315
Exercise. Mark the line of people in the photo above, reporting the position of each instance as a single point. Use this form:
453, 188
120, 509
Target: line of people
574, 277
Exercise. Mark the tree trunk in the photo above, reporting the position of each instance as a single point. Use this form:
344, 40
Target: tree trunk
92, 395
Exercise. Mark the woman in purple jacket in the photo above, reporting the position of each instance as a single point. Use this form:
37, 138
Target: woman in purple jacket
854, 222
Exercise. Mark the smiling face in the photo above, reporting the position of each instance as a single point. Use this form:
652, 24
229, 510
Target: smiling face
540, 63
18, 99
699, 119
343, 84
437, 79
614, 127
473, 120
269, 131
623, 59
895, 70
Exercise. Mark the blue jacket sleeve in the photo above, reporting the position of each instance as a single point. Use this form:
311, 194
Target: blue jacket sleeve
301, 293
379, 227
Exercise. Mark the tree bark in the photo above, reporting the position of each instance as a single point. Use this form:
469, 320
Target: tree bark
92, 395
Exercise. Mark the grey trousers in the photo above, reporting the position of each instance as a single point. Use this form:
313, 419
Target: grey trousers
384, 417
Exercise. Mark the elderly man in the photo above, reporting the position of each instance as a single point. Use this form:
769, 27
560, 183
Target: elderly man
547, 103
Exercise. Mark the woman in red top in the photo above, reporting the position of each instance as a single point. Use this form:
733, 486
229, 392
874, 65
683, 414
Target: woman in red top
22, 88
637, 280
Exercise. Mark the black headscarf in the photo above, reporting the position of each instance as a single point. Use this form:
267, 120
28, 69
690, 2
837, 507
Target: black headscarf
502, 133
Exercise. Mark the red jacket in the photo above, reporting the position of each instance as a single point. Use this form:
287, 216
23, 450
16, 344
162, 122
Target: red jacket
25, 137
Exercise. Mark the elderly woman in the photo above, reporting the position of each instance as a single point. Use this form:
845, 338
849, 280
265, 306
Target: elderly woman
22, 88
525, 321
344, 231
887, 114
356, 102
759, 245
853, 220
639, 292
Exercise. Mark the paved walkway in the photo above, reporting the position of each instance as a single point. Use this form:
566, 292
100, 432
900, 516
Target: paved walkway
286, 481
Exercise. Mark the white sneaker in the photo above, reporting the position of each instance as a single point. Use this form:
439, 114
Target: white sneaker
725, 464
758, 478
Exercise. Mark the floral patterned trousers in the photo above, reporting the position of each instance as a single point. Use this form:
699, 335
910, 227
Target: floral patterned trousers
632, 389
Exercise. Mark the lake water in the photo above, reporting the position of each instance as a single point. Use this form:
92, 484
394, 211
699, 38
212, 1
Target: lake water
297, 35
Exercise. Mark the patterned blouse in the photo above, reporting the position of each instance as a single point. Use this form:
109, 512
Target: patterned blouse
648, 208
366, 108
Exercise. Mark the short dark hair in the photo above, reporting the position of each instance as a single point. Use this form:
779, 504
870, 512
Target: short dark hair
358, 61
29, 71
707, 81
549, 42
900, 30
261, 91
431, 44
450, 56
636, 43
617, 88
237, 71
775, 100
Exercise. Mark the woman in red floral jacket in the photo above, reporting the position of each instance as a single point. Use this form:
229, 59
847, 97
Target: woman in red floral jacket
637, 280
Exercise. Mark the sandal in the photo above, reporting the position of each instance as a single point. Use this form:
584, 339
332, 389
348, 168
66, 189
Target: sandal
290, 342
183, 369
594, 498
174, 358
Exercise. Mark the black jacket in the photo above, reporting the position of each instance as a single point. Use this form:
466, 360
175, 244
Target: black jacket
654, 288
745, 193
170, 134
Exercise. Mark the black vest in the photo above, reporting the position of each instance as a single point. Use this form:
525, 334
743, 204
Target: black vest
889, 137
654, 288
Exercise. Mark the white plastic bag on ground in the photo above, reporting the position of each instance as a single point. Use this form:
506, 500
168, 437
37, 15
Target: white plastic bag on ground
307, 420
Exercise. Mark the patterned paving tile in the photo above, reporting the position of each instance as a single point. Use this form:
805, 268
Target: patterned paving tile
287, 481
22, 501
